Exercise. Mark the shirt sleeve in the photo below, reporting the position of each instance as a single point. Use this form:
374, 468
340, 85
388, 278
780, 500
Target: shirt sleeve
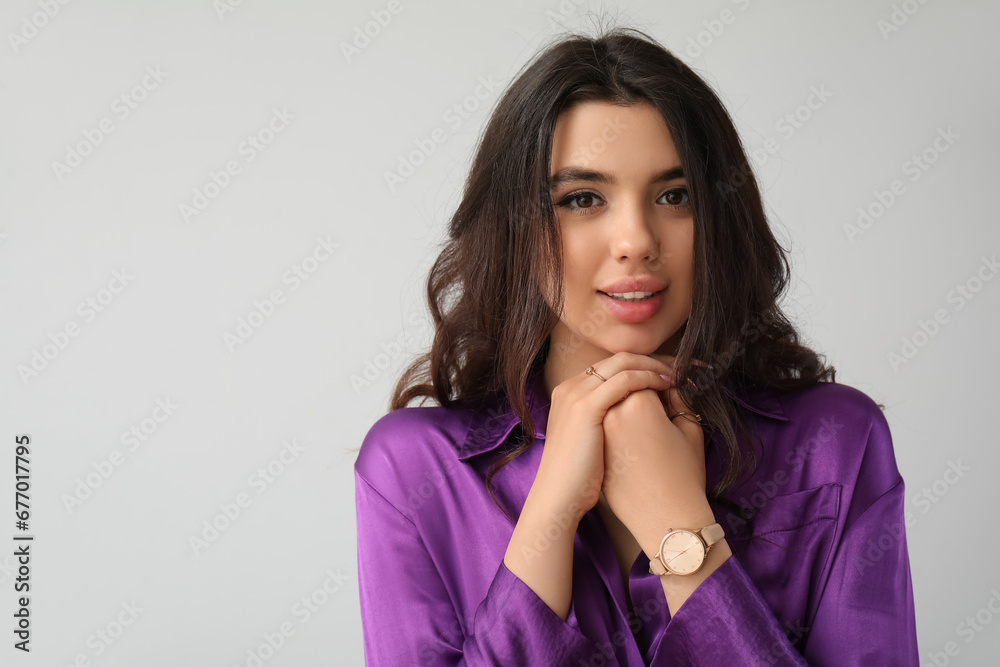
408, 617
865, 614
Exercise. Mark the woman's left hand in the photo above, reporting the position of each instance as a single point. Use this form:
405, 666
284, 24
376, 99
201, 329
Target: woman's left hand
654, 466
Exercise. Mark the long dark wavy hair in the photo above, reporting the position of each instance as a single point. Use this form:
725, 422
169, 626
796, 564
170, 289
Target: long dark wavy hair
491, 321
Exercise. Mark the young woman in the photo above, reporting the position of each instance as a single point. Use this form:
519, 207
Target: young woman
632, 459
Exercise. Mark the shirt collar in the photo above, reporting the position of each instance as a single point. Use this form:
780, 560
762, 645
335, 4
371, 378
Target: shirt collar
493, 422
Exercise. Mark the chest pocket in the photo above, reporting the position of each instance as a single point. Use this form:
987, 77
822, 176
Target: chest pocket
785, 544
788, 512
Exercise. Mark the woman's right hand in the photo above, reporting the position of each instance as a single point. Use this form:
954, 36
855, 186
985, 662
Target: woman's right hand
571, 471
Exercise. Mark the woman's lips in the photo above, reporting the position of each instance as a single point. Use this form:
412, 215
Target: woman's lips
633, 311
634, 284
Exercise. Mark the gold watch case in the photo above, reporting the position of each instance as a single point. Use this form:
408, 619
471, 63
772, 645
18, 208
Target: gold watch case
682, 551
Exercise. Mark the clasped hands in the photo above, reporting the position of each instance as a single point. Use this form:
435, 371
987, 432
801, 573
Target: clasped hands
654, 467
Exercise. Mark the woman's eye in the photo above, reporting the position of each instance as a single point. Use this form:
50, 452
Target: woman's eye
580, 200
588, 202
678, 198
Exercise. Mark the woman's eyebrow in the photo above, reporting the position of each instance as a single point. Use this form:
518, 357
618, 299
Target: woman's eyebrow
568, 174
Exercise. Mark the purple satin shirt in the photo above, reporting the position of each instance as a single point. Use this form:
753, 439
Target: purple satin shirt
819, 573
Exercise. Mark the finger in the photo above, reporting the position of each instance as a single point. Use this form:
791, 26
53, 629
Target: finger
618, 387
687, 424
614, 364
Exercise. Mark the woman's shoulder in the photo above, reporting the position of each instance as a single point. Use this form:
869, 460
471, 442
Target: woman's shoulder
818, 399
848, 400
836, 433
406, 445
836, 408
845, 414
401, 436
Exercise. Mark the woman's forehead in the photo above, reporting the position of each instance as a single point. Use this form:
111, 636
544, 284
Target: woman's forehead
600, 141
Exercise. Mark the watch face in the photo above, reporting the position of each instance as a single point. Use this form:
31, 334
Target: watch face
683, 552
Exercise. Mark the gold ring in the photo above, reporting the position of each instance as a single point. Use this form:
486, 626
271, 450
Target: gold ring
592, 371
696, 416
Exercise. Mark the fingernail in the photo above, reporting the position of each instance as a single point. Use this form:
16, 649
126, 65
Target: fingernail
667, 378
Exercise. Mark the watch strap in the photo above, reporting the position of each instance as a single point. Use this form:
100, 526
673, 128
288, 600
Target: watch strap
712, 534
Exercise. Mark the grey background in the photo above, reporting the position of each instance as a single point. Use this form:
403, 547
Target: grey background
301, 374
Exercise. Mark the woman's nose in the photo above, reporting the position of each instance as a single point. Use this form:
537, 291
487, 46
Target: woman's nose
633, 236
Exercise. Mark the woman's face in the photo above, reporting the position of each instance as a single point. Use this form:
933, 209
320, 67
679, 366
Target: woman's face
622, 205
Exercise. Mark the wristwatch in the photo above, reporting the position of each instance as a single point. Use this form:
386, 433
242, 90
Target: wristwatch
684, 551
